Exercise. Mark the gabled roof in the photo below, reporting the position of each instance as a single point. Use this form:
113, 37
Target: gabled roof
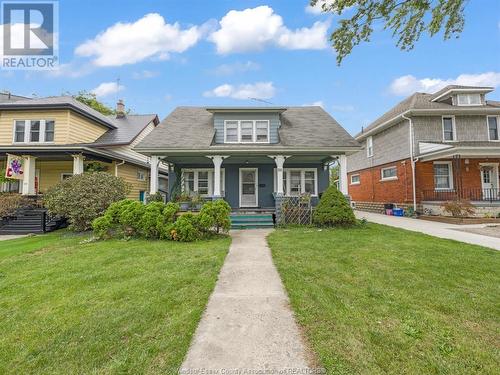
445, 92
60, 102
192, 128
6, 97
425, 103
127, 129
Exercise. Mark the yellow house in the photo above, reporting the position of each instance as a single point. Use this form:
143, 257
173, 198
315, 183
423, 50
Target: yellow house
59, 136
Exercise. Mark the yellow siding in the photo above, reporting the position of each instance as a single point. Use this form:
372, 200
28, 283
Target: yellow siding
82, 130
7, 119
50, 172
129, 174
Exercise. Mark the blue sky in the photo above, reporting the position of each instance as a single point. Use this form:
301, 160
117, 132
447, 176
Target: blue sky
171, 53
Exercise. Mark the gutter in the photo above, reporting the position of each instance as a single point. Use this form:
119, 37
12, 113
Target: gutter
412, 154
116, 167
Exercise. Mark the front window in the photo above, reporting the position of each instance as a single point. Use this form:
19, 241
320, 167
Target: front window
493, 128
448, 129
246, 131
203, 183
390, 173
443, 176
469, 99
34, 131
355, 179
141, 176
297, 181
200, 181
369, 147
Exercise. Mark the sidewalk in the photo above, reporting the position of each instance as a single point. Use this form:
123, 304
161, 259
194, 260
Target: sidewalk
248, 324
443, 230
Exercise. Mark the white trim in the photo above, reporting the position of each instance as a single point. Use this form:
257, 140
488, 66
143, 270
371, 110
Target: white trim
254, 131
286, 176
392, 178
494, 177
369, 147
453, 125
256, 183
211, 176
27, 132
488, 128
66, 174
450, 175
139, 172
468, 95
355, 183
465, 90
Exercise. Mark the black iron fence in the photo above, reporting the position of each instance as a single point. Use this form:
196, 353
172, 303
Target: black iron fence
471, 194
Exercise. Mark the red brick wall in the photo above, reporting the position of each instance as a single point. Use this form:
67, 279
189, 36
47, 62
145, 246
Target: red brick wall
372, 189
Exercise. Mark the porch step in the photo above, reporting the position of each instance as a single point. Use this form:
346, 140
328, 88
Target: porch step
249, 221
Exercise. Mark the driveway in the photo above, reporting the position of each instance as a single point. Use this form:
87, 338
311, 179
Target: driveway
443, 230
248, 325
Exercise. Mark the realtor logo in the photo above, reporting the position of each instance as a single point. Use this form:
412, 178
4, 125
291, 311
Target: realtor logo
30, 35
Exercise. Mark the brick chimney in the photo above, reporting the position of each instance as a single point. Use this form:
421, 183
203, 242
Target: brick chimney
120, 109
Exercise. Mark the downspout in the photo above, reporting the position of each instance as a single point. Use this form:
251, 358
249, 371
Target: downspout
412, 159
116, 167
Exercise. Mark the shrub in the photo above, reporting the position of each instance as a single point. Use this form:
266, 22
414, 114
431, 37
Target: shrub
333, 209
459, 208
216, 214
9, 203
185, 229
103, 226
152, 220
156, 197
84, 197
169, 213
130, 217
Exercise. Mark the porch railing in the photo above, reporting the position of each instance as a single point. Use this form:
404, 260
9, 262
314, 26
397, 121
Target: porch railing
471, 194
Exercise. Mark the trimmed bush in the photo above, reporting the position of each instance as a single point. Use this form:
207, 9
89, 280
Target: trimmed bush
152, 220
130, 217
216, 214
185, 229
10, 202
333, 210
84, 197
169, 214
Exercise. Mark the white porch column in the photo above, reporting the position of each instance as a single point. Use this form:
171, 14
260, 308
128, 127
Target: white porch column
153, 184
217, 160
279, 160
78, 164
343, 174
29, 176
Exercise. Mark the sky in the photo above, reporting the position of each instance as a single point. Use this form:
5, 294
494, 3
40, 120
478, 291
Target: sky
156, 55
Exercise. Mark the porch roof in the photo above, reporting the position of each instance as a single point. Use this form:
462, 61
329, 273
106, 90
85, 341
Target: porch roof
242, 159
442, 150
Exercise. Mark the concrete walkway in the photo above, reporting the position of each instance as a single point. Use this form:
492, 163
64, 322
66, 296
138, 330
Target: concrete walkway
5, 237
433, 228
248, 325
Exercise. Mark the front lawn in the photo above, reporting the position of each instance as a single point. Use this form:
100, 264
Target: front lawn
379, 300
69, 307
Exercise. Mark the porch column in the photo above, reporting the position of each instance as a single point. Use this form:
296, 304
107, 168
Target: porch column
78, 164
217, 160
153, 183
279, 160
29, 175
343, 174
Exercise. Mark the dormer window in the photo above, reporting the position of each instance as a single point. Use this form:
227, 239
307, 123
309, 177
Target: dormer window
33, 131
246, 131
468, 99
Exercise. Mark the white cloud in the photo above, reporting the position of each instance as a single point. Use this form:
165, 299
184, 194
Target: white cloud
148, 37
254, 29
406, 85
236, 68
107, 88
258, 90
71, 70
144, 74
318, 103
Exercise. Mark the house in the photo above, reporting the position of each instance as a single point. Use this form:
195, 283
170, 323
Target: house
249, 156
58, 137
428, 149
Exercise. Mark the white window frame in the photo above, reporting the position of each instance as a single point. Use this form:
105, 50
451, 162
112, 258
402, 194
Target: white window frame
211, 176
286, 176
141, 175
66, 174
254, 131
392, 178
468, 96
488, 128
369, 147
450, 175
356, 182
453, 125
27, 131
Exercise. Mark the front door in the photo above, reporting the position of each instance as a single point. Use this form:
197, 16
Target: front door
248, 187
489, 181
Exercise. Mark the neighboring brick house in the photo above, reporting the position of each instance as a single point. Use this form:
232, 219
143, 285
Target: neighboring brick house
428, 149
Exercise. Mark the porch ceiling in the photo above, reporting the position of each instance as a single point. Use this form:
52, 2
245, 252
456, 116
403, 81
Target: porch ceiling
249, 159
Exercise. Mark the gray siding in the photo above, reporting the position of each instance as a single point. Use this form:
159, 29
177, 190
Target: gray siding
389, 145
274, 123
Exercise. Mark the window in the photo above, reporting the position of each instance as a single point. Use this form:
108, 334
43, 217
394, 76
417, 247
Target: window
468, 99
297, 181
141, 176
355, 179
246, 131
34, 131
443, 176
493, 134
448, 128
201, 181
65, 176
390, 173
369, 147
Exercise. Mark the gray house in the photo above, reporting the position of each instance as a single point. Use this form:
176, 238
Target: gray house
428, 149
248, 155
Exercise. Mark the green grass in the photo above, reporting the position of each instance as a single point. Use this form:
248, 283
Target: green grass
68, 307
380, 300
